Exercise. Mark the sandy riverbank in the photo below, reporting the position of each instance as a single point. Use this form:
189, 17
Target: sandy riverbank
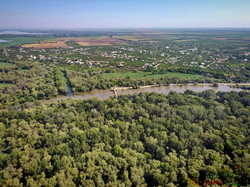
190, 84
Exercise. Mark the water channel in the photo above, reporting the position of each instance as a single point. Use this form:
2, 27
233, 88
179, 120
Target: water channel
105, 94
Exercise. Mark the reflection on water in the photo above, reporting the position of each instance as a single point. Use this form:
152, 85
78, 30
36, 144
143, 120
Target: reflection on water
4, 41
20, 33
105, 94
179, 89
69, 93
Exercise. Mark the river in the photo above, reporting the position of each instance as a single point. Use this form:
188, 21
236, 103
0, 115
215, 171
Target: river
105, 94
4, 41
20, 33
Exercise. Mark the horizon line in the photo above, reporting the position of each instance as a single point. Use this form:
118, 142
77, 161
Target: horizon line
115, 28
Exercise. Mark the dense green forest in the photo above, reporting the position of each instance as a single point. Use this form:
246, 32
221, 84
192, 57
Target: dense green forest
29, 82
147, 139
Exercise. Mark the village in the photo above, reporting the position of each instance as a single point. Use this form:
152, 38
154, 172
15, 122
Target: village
139, 56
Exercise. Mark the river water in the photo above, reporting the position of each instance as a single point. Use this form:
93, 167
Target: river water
20, 33
105, 94
4, 41
69, 93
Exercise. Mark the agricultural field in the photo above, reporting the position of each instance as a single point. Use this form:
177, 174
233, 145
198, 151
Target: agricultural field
46, 45
16, 41
99, 41
190, 36
147, 37
81, 41
132, 37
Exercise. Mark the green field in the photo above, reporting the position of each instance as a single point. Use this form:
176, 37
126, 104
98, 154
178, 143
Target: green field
5, 65
73, 44
150, 75
4, 85
22, 70
14, 41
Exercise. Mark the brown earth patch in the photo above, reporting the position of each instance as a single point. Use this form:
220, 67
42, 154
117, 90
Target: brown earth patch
84, 41
46, 45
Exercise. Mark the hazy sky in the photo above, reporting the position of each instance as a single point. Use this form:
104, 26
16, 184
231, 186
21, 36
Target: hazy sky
84, 14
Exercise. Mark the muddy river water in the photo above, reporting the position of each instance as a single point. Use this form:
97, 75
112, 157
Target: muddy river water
105, 94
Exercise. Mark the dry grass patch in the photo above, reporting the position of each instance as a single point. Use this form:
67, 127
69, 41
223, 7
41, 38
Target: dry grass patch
98, 41
46, 45
84, 41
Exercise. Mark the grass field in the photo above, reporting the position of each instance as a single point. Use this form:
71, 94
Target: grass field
209, 38
4, 85
72, 44
150, 75
5, 65
144, 37
130, 38
20, 41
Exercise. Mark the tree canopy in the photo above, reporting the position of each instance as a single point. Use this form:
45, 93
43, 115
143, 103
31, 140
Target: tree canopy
146, 139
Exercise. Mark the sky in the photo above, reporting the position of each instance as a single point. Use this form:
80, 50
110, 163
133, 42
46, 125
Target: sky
93, 14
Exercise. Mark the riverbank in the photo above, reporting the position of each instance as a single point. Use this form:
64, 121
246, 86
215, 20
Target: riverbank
189, 84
